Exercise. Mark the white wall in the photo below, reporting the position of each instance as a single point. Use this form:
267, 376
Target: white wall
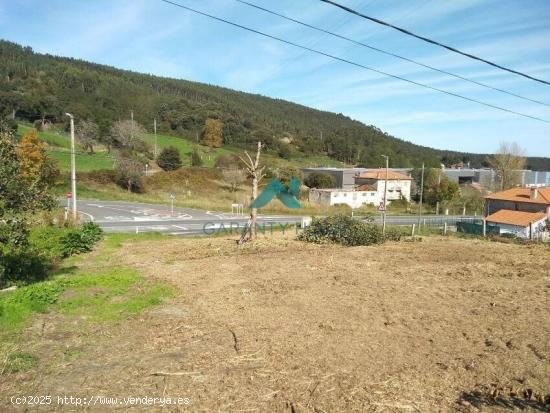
397, 189
354, 199
523, 232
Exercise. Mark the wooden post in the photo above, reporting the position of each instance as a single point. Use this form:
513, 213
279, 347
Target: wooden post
412, 232
445, 229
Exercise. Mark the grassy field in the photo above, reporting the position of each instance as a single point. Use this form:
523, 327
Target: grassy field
444, 324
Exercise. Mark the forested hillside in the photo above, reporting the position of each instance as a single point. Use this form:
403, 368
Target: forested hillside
42, 87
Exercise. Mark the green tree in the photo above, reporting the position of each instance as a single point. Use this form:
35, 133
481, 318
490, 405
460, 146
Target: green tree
438, 188
169, 159
320, 180
286, 173
212, 133
21, 195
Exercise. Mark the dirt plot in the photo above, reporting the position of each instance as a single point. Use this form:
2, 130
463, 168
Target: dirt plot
428, 326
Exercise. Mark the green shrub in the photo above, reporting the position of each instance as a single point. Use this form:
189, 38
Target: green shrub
320, 180
169, 159
343, 230
20, 266
46, 240
81, 239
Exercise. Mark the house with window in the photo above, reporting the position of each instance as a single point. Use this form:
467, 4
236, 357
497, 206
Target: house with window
399, 184
522, 211
355, 198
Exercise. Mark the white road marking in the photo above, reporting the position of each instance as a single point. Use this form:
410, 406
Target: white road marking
89, 215
219, 216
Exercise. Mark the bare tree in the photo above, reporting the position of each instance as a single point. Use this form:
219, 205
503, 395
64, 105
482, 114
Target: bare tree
256, 172
128, 133
87, 133
129, 173
234, 177
507, 162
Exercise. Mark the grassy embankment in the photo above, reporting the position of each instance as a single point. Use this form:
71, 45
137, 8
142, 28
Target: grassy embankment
89, 289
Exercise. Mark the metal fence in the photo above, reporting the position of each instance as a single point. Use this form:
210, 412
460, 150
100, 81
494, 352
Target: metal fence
476, 227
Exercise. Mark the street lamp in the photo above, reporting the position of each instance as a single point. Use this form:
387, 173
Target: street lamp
385, 196
73, 167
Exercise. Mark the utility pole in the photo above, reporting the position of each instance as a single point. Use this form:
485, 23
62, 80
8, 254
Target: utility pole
385, 195
421, 197
155, 132
132, 128
73, 167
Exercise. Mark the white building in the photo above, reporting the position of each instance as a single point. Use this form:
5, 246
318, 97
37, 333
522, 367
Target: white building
528, 225
336, 196
399, 185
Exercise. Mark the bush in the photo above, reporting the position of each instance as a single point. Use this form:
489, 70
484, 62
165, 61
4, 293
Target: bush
286, 173
47, 241
169, 159
320, 180
80, 239
22, 266
343, 230
284, 151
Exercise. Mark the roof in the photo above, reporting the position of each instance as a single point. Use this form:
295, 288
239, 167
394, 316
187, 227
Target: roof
368, 188
381, 175
522, 195
365, 187
518, 218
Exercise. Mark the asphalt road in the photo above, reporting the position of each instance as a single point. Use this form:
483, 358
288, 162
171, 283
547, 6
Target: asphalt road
121, 216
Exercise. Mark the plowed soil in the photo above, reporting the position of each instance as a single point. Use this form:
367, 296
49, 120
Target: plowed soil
442, 325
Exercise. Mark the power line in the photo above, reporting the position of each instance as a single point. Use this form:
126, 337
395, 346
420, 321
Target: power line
390, 53
351, 62
452, 49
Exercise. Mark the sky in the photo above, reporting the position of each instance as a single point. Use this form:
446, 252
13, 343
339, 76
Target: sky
153, 37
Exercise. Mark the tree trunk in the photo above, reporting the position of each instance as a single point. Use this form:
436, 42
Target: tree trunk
254, 211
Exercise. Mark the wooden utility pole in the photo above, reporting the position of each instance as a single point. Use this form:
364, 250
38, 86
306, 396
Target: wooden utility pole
256, 172
155, 132
421, 197
385, 195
